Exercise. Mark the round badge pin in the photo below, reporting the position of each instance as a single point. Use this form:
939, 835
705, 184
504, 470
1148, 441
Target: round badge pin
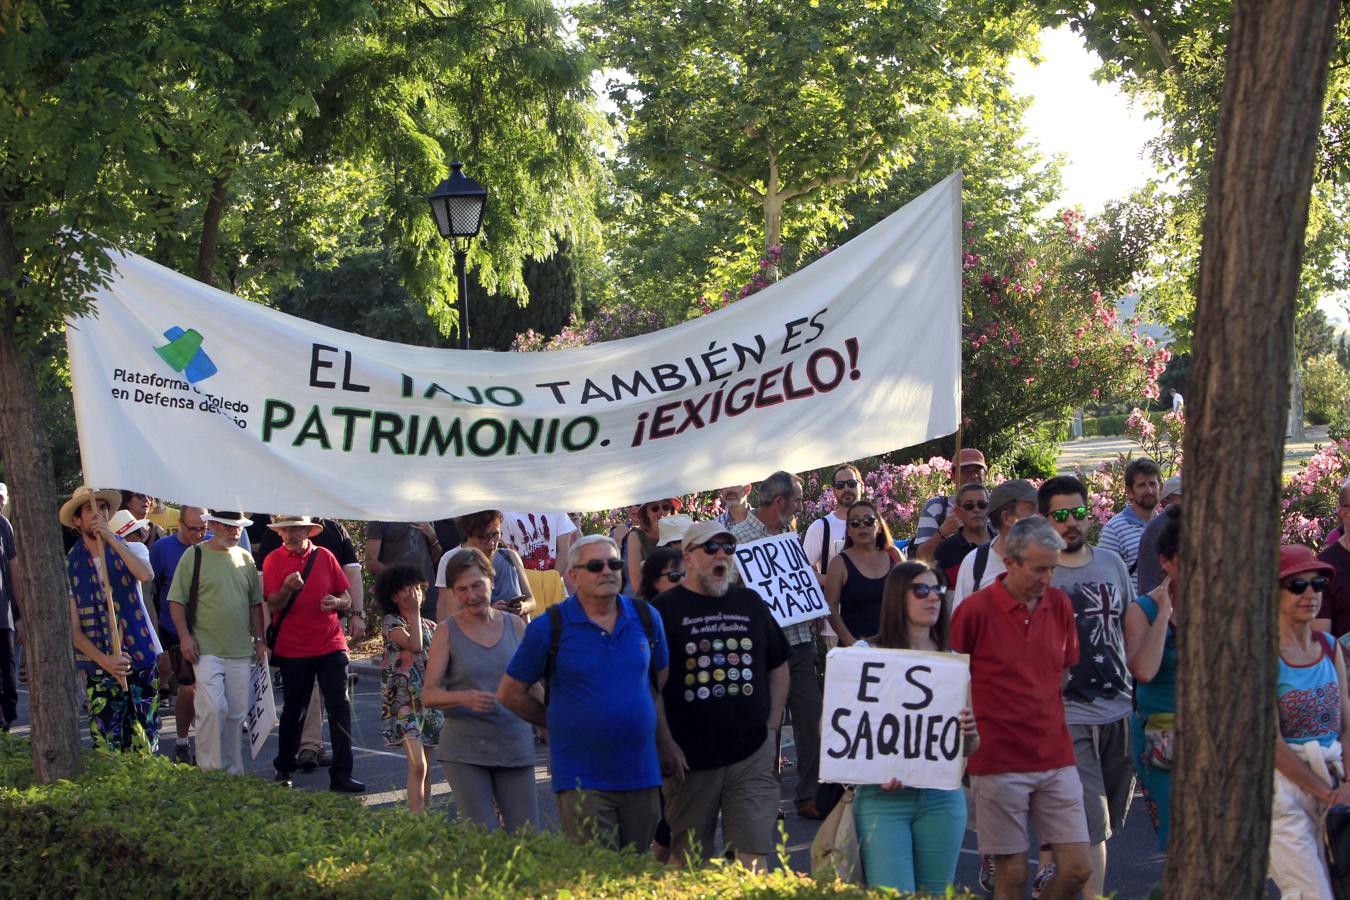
733, 689
704, 662
704, 645
703, 693
719, 675
719, 645
719, 659
733, 644
719, 690
734, 674
747, 689
703, 677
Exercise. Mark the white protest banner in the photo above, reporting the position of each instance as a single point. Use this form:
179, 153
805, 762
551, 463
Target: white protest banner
232, 405
262, 708
893, 714
778, 569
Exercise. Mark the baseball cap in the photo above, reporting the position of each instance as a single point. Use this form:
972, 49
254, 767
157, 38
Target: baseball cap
1170, 486
972, 457
1010, 492
702, 532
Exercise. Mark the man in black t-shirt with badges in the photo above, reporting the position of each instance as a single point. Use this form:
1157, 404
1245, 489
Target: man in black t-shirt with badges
723, 703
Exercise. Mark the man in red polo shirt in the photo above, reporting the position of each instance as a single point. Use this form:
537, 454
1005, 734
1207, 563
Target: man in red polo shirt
1021, 638
305, 590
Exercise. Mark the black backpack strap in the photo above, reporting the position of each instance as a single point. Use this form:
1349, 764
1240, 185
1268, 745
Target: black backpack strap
194, 589
555, 627
644, 614
981, 562
824, 544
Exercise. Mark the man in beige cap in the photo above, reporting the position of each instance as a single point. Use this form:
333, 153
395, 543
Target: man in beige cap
935, 523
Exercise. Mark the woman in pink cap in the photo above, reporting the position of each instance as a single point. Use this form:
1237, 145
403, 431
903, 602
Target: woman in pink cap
1314, 710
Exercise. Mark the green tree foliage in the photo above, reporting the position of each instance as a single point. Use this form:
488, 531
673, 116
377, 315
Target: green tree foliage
1170, 58
788, 106
1326, 391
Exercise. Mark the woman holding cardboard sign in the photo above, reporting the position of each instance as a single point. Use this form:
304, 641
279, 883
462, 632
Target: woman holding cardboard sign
911, 837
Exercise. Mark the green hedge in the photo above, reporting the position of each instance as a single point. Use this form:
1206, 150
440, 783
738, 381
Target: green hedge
147, 828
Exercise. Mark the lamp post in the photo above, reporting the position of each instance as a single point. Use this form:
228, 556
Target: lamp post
457, 205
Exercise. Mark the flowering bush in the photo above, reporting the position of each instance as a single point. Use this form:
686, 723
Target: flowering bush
1039, 338
1161, 444
898, 490
1308, 506
605, 325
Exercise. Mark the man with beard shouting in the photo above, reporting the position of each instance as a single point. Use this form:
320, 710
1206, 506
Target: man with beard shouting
723, 702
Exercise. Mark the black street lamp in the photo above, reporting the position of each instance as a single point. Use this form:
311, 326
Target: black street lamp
457, 205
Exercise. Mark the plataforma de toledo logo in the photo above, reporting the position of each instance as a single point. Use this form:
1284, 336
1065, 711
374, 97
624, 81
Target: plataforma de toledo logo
185, 354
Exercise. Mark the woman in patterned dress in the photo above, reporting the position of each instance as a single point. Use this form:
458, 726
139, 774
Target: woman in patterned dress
404, 720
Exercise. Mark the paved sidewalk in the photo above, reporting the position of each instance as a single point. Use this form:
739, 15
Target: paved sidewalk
1090, 451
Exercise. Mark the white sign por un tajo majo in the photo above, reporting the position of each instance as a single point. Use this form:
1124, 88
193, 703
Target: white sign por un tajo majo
893, 714
191, 394
777, 568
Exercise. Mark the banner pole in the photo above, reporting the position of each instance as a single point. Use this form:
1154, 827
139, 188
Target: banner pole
956, 464
114, 630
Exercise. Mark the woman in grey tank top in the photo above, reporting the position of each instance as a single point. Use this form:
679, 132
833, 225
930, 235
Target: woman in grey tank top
487, 752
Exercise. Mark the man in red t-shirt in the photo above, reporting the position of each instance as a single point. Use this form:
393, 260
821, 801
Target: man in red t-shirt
1022, 640
310, 644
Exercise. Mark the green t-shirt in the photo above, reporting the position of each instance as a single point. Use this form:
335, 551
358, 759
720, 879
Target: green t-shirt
229, 585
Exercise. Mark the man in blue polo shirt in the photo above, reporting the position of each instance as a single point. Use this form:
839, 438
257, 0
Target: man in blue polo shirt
601, 715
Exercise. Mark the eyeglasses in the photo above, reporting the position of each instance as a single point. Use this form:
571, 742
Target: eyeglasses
711, 547
660, 507
975, 504
1297, 586
494, 536
922, 591
864, 522
845, 483
200, 529
596, 566
1062, 515
673, 576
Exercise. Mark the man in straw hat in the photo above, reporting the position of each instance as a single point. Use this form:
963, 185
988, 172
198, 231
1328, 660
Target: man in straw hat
220, 631
112, 634
306, 590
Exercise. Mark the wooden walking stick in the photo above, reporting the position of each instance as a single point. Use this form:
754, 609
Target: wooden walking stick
114, 630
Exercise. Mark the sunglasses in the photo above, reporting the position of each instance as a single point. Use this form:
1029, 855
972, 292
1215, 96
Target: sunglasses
1062, 515
596, 566
711, 547
673, 576
1297, 586
922, 591
975, 504
864, 522
660, 507
846, 483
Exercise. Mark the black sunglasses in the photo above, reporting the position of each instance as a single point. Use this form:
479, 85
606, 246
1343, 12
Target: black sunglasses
975, 504
711, 547
1299, 585
660, 507
1062, 515
846, 483
923, 590
596, 566
673, 576
864, 522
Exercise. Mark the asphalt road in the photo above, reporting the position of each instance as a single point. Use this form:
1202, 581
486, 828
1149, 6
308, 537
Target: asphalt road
1134, 863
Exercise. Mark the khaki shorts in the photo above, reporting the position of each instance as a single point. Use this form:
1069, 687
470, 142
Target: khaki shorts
1051, 801
1107, 773
746, 794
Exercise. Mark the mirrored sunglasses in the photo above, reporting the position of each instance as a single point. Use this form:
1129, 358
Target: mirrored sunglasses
1062, 515
922, 591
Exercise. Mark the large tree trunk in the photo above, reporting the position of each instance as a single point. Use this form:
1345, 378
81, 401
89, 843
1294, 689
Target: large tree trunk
1244, 328
46, 619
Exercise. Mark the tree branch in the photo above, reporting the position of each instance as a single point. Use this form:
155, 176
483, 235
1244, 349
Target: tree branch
838, 178
1155, 38
722, 173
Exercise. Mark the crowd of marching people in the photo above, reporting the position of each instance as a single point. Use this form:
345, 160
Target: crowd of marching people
660, 682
